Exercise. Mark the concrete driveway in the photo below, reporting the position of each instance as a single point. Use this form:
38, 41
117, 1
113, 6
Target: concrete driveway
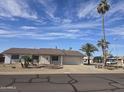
62, 83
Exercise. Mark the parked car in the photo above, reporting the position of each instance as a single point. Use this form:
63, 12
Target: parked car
111, 61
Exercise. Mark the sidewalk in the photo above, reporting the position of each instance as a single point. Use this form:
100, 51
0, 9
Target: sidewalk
67, 69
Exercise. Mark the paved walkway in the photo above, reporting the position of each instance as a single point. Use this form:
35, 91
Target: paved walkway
62, 83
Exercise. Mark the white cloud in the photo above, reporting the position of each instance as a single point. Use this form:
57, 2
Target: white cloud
114, 20
38, 35
64, 35
116, 9
87, 25
116, 31
9, 33
66, 21
18, 8
49, 6
87, 10
83, 27
28, 27
116, 46
4, 32
73, 30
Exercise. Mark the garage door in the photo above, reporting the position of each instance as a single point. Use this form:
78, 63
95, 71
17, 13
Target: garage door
70, 60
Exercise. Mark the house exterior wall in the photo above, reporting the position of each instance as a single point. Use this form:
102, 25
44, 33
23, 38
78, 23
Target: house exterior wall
57, 62
120, 61
14, 60
7, 59
72, 60
17, 60
44, 59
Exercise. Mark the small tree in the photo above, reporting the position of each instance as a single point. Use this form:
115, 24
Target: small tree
27, 60
88, 49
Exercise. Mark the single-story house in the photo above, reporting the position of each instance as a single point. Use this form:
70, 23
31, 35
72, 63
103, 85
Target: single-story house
120, 60
44, 55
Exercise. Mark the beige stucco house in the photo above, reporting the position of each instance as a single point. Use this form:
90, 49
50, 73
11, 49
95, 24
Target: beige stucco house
120, 60
85, 60
44, 56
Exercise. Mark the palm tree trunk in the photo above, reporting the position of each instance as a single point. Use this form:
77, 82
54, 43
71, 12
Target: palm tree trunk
104, 38
88, 60
103, 27
103, 50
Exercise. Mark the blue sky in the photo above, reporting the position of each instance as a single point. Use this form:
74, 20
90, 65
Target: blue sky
61, 23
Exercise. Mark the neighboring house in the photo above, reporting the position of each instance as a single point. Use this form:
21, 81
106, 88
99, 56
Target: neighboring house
85, 60
120, 60
44, 55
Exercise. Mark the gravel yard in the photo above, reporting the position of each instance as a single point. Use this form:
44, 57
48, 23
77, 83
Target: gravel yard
76, 69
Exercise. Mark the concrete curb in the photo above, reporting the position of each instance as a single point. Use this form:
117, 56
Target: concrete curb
34, 73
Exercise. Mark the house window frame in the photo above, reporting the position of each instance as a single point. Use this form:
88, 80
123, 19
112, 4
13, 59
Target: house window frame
55, 58
15, 57
35, 57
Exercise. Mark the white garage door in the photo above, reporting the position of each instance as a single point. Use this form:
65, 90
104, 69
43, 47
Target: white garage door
71, 60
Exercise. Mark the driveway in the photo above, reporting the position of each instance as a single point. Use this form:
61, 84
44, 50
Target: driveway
62, 82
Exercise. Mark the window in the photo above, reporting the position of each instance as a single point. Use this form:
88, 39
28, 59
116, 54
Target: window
15, 57
35, 57
55, 58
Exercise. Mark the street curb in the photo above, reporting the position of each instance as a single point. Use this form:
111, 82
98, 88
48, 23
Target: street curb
59, 73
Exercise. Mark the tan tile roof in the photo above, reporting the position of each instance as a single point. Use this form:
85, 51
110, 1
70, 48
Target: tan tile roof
72, 53
41, 51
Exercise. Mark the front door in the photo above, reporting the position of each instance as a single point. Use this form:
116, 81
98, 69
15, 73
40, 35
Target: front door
55, 60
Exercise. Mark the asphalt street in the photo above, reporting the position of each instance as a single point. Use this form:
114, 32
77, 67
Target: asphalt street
62, 83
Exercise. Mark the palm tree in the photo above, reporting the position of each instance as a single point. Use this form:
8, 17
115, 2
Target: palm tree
88, 49
104, 45
102, 8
